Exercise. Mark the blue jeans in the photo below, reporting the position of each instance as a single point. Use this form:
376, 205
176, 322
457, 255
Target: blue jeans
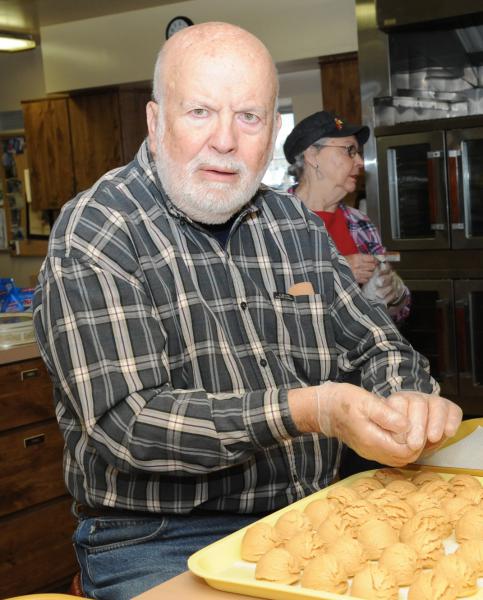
123, 557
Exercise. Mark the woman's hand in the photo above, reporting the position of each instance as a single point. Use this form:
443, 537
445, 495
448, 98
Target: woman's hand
362, 266
389, 286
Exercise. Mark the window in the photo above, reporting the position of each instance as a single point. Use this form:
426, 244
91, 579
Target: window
276, 175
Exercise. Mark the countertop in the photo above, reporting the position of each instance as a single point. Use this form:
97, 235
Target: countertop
187, 586
18, 353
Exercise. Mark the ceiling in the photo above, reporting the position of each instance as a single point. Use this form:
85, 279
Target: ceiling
29, 14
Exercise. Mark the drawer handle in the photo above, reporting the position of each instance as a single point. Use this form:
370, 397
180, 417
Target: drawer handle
35, 440
30, 374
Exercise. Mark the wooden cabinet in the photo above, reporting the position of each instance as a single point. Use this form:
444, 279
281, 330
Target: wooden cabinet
339, 76
47, 131
35, 518
74, 138
36, 549
25, 394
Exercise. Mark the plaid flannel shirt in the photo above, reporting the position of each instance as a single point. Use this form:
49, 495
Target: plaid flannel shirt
368, 241
171, 357
363, 231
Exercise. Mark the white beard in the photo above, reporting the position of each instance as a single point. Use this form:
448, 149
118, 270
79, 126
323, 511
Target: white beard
209, 202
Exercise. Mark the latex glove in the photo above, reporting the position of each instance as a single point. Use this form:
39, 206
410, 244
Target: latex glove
369, 288
388, 285
432, 419
362, 266
366, 423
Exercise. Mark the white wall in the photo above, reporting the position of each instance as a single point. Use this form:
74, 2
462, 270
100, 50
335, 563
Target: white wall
122, 48
304, 90
21, 78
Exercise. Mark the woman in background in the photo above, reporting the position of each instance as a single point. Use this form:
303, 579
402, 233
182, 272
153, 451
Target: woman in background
324, 152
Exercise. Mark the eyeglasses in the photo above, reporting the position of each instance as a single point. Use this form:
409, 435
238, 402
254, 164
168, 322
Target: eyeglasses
351, 150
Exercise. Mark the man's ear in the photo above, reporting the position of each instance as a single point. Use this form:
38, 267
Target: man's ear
279, 122
152, 114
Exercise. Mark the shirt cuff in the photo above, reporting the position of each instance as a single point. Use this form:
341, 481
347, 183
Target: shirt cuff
268, 419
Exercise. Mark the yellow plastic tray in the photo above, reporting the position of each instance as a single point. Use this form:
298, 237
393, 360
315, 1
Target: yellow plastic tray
221, 566
464, 429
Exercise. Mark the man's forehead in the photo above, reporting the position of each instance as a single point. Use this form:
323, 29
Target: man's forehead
209, 58
207, 79
233, 55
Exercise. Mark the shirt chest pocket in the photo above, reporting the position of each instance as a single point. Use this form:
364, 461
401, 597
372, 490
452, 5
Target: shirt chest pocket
303, 328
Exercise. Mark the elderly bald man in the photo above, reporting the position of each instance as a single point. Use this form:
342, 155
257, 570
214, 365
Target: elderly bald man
194, 323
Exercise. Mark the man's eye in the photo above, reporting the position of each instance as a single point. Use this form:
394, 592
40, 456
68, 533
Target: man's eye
250, 117
199, 112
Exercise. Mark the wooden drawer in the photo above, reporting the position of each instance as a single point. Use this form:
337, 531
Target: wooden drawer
36, 548
31, 459
25, 394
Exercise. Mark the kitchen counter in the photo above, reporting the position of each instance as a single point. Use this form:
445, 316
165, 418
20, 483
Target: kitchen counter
188, 585
18, 353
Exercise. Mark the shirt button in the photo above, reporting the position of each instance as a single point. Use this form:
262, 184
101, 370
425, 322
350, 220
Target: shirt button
263, 363
243, 305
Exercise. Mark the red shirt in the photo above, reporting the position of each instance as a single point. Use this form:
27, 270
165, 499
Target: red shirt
336, 225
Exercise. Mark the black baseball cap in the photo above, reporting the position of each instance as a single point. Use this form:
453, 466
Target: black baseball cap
321, 124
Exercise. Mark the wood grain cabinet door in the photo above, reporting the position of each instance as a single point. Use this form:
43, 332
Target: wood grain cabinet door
25, 394
73, 140
96, 135
47, 134
36, 548
31, 459
132, 105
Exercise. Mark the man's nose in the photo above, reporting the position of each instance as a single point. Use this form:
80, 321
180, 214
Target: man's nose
224, 136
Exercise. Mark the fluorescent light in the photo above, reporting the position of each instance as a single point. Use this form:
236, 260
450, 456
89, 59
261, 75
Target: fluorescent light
15, 42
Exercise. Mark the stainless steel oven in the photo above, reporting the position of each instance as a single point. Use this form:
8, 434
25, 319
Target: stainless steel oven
421, 73
446, 326
430, 328
469, 342
431, 189
464, 151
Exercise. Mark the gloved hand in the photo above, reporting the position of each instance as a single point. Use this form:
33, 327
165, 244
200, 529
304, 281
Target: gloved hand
367, 423
432, 419
389, 287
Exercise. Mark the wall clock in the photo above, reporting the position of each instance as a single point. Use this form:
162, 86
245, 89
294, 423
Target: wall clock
177, 24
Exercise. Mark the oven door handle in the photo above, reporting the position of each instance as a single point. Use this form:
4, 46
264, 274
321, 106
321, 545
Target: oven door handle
434, 175
454, 189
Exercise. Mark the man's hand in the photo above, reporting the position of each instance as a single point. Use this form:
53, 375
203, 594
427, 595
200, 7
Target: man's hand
432, 419
358, 418
393, 431
362, 266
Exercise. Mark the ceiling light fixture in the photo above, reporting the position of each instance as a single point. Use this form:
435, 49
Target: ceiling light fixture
16, 42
